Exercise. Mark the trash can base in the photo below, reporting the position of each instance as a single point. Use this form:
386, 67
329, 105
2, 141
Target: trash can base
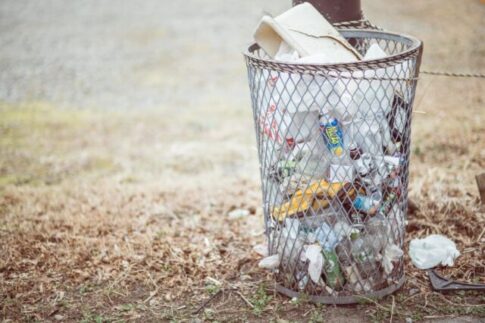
341, 300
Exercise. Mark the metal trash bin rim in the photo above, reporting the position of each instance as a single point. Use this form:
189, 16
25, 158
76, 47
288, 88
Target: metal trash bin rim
414, 50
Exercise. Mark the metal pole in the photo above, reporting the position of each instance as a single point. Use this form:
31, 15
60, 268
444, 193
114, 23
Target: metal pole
336, 10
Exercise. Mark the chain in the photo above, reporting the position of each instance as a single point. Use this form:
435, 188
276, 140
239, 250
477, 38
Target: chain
364, 23
451, 74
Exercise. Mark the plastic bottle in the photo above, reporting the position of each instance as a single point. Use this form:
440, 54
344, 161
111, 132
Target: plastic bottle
332, 134
365, 256
332, 271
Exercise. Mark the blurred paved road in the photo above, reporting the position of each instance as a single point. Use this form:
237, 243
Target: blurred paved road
152, 53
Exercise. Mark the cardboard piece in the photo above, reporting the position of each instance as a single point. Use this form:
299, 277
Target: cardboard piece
308, 32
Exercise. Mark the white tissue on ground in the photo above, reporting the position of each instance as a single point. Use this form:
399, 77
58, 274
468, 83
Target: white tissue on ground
271, 262
432, 251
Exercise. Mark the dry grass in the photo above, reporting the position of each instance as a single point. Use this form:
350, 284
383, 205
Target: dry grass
106, 217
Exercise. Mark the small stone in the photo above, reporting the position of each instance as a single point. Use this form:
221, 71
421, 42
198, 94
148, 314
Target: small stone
261, 249
271, 262
59, 317
409, 320
238, 213
413, 291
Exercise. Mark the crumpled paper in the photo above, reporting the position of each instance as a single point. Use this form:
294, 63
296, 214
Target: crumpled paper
433, 250
313, 253
391, 253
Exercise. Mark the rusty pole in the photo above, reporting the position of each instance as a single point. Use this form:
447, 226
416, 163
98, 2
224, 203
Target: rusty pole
336, 10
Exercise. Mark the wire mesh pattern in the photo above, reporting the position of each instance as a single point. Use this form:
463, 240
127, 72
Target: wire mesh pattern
333, 143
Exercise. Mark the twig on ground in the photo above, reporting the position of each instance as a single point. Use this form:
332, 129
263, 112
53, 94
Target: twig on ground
412, 296
245, 299
152, 294
373, 301
392, 309
481, 186
429, 317
480, 235
207, 302
455, 304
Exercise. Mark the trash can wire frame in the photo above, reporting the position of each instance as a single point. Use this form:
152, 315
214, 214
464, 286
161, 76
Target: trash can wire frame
333, 143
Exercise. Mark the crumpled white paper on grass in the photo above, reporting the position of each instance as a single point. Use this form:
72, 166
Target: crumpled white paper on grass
433, 250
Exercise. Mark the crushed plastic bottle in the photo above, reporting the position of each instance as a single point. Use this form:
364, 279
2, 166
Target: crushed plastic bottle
326, 237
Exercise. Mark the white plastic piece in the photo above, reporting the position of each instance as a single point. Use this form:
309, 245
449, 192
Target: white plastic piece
433, 250
375, 52
313, 254
326, 237
291, 229
303, 126
369, 137
341, 173
392, 160
270, 262
390, 254
290, 244
342, 230
286, 53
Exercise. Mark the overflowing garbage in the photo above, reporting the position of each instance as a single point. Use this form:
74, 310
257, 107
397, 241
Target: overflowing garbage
333, 151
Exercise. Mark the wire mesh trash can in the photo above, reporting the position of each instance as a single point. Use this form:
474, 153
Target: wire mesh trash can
334, 143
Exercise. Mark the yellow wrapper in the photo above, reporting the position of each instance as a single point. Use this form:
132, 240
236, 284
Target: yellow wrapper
317, 195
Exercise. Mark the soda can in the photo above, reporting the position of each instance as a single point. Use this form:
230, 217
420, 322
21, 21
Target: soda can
332, 135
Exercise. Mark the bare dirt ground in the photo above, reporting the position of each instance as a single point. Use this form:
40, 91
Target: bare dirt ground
126, 137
